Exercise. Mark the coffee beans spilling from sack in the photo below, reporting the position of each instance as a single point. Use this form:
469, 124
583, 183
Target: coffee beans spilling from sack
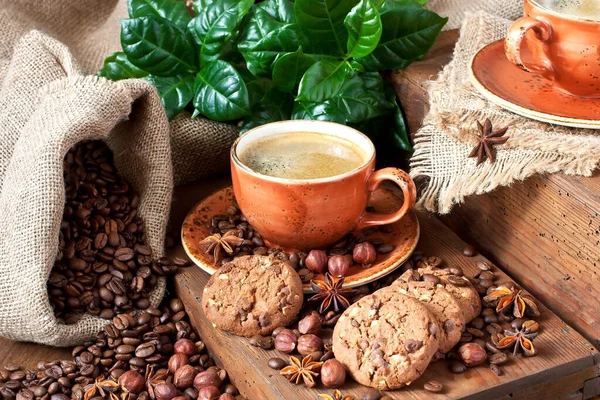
155, 355
104, 267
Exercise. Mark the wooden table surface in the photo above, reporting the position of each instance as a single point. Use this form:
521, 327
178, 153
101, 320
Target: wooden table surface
564, 362
510, 226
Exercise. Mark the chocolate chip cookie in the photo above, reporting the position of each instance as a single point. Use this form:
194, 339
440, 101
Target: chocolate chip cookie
386, 340
459, 286
442, 305
252, 295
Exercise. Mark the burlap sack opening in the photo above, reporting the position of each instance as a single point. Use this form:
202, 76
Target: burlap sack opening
46, 107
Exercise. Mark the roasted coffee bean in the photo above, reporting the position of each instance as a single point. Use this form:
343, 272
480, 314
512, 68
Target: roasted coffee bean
484, 266
144, 350
385, 248
264, 342
496, 369
457, 367
277, 363
498, 358
433, 386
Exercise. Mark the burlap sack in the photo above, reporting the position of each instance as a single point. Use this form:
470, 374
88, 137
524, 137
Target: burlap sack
440, 164
90, 29
47, 106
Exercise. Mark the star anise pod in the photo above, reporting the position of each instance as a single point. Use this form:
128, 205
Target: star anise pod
101, 386
305, 370
217, 245
330, 292
521, 340
337, 395
488, 138
507, 298
154, 378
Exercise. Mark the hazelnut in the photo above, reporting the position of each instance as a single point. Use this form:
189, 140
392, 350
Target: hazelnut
309, 324
180, 398
338, 265
165, 391
365, 254
472, 354
209, 393
184, 377
185, 346
308, 344
132, 381
207, 378
285, 341
333, 373
316, 261
226, 396
177, 361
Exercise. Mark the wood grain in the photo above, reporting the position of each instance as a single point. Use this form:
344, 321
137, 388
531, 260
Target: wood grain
563, 351
545, 232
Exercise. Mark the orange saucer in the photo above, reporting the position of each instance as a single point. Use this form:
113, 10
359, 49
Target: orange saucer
527, 94
404, 236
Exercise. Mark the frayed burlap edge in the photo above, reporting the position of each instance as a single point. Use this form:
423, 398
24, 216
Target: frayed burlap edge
440, 163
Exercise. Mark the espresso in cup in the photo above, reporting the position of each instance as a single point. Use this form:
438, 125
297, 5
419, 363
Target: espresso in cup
303, 155
305, 184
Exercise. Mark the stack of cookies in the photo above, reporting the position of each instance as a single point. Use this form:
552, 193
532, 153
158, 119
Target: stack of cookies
386, 340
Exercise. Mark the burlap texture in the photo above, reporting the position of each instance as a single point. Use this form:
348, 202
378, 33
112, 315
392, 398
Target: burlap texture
440, 163
456, 10
90, 29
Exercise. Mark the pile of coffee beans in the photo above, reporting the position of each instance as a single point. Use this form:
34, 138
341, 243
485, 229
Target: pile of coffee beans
103, 267
155, 355
354, 249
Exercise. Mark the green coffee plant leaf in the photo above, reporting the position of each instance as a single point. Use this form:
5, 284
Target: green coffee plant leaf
359, 102
364, 29
157, 46
220, 92
322, 81
326, 111
281, 10
215, 25
264, 39
174, 11
323, 23
408, 33
400, 134
289, 69
175, 92
274, 106
257, 87
117, 66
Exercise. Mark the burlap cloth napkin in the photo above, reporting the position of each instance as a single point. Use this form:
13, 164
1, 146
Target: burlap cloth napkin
440, 163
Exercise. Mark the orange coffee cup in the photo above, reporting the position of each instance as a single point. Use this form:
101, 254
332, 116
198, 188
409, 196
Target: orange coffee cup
562, 38
313, 213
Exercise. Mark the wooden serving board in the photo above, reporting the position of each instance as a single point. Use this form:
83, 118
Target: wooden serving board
544, 231
565, 360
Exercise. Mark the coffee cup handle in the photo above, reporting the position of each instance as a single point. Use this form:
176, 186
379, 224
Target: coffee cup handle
514, 39
409, 190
